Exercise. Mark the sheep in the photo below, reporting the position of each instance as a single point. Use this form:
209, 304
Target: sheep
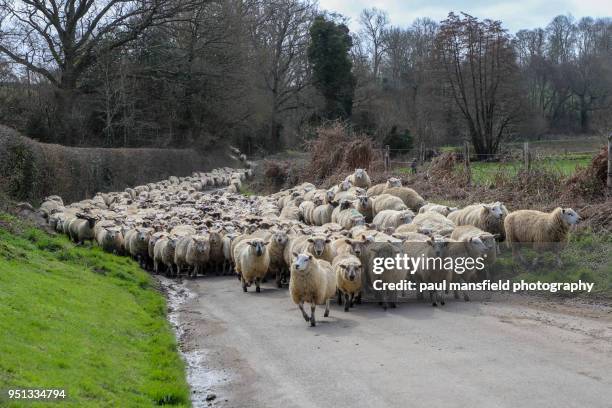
50, 206
164, 253
344, 205
360, 178
322, 214
440, 209
343, 246
227, 252
487, 217
306, 209
473, 248
152, 241
137, 244
81, 228
409, 197
349, 218
317, 244
430, 221
216, 250
111, 240
252, 262
386, 297
312, 281
380, 188
543, 230
432, 270
387, 202
192, 251
278, 266
467, 232
348, 270
364, 206
290, 212
392, 218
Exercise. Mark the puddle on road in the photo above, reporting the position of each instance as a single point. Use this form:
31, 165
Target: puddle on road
202, 379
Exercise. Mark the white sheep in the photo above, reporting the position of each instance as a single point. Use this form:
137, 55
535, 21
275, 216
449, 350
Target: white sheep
312, 281
348, 272
392, 219
387, 202
545, 231
252, 262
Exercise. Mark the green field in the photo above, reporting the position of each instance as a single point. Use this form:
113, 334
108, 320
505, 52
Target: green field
80, 319
485, 172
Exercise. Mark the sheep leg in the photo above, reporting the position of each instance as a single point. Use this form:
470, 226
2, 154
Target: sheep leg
433, 298
327, 302
279, 278
352, 302
301, 306
358, 301
257, 282
339, 297
347, 301
313, 322
244, 284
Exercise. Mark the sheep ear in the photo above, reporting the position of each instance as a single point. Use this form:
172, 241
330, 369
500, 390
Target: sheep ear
496, 236
563, 210
348, 241
310, 240
327, 240
309, 256
430, 242
295, 254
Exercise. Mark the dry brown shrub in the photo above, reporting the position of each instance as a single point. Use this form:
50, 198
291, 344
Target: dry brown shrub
337, 151
447, 168
590, 181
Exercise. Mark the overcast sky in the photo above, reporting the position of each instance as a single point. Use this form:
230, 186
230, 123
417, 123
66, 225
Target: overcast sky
515, 14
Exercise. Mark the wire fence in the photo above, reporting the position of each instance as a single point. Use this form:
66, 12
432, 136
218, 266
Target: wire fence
561, 156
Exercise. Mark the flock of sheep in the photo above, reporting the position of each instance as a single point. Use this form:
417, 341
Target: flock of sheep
321, 242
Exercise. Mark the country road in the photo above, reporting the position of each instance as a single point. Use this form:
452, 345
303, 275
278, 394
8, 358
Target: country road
255, 350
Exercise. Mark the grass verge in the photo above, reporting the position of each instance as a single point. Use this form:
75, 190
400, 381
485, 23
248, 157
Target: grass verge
85, 321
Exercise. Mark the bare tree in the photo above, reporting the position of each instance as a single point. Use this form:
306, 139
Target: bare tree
374, 24
478, 63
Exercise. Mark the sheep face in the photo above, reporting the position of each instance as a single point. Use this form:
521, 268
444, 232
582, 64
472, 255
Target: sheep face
280, 238
364, 201
318, 244
329, 196
359, 174
494, 210
358, 220
394, 182
438, 246
351, 272
202, 245
570, 216
406, 217
357, 246
302, 261
345, 185
258, 246
345, 204
478, 245
172, 242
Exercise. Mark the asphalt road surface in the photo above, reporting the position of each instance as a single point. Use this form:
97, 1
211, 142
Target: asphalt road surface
255, 350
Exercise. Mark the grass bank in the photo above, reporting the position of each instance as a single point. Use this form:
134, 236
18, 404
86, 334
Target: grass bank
82, 320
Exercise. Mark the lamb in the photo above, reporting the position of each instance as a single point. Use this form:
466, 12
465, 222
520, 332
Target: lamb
380, 188
360, 178
433, 270
216, 249
387, 202
312, 281
430, 221
487, 217
467, 233
348, 270
440, 209
153, 240
392, 219
252, 262
543, 230
471, 248
409, 197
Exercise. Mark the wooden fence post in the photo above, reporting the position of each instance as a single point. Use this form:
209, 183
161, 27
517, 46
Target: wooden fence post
466, 160
609, 181
526, 155
387, 159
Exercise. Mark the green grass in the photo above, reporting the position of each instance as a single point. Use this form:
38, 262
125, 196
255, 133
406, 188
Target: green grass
83, 320
587, 257
484, 172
